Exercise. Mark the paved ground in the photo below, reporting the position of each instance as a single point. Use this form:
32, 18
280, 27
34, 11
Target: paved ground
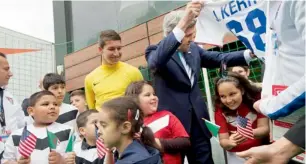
218, 154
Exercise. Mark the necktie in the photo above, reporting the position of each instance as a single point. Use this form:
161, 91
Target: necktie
187, 64
188, 59
2, 117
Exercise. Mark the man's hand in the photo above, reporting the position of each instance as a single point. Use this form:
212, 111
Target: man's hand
55, 158
192, 11
70, 158
23, 160
279, 152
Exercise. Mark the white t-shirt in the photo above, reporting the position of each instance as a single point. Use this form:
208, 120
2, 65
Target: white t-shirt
41, 151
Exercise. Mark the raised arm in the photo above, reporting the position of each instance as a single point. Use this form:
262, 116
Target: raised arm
175, 25
213, 59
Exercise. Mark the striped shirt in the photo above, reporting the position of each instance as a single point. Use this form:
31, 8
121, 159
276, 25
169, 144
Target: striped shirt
67, 115
41, 151
86, 154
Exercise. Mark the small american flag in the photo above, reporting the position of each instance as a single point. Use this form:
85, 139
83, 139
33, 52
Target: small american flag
102, 150
27, 143
244, 127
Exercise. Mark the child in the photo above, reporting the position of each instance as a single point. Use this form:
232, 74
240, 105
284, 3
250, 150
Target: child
120, 119
77, 99
167, 129
235, 97
44, 110
245, 72
56, 84
86, 151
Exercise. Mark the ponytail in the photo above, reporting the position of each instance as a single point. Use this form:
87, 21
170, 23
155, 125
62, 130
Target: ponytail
147, 137
126, 109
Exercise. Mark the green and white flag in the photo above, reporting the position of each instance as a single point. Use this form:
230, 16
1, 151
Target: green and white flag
71, 141
53, 141
213, 128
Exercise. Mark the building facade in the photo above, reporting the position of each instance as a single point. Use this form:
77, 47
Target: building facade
30, 59
77, 26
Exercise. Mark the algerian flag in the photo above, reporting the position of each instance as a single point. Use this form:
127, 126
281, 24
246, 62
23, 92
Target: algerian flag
213, 128
70, 144
52, 140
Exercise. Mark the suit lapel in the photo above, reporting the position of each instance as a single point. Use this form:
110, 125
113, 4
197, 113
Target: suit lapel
177, 59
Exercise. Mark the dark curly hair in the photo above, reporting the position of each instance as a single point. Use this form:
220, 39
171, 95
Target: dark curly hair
251, 92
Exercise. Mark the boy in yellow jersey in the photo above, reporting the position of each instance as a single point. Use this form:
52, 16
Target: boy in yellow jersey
109, 80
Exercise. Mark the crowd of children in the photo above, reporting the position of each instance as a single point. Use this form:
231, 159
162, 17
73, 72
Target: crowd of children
127, 129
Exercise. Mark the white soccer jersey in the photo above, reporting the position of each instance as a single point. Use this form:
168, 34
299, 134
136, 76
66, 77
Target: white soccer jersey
244, 18
42, 150
86, 154
67, 115
285, 59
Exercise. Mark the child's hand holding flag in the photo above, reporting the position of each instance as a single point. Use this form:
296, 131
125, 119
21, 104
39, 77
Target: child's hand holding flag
27, 144
23, 160
70, 155
70, 158
55, 158
244, 127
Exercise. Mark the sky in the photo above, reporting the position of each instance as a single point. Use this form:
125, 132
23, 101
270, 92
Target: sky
31, 17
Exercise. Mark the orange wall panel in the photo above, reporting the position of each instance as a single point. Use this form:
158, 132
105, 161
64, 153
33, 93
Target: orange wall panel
82, 68
134, 50
229, 38
139, 61
81, 55
134, 34
75, 83
154, 39
156, 25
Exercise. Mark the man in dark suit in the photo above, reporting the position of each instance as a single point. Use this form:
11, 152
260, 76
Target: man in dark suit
176, 62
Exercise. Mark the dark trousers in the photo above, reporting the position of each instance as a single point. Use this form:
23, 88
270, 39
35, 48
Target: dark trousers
200, 151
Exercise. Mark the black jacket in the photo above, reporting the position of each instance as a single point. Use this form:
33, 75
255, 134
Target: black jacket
296, 134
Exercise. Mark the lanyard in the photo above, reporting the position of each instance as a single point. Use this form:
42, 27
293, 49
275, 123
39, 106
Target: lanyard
2, 116
275, 16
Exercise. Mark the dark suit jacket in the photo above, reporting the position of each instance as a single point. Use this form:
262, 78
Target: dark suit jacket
296, 134
172, 83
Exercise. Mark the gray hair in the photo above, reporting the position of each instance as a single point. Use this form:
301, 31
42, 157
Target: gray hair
172, 19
